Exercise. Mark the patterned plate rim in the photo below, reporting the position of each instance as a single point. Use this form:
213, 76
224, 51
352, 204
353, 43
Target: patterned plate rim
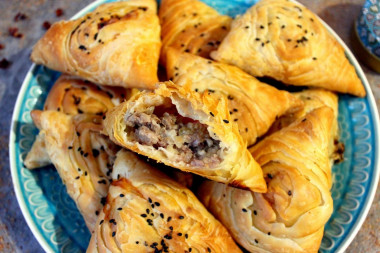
342, 247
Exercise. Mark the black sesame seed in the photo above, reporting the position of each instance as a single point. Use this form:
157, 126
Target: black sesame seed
187, 50
246, 27
96, 212
181, 217
95, 152
208, 249
78, 134
270, 175
179, 234
244, 210
290, 193
314, 58
101, 222
157, 204
246, 129
261, 27
190, 249
95, 36
85, 155
202, 35
162, 215
283, 26
289, 40
70, 147
168, 237
152, 205
103, 200
137, 242
85, 173
152, 214
81, 47
186, 236
257, 39
171, 228
121, 195
311, 19
120, 208
256, 241
169, 218
113, 234
58, 109
269, 233
254, 212
143, 215
77, 177
224, 27
300, 26
263, 44
226, 121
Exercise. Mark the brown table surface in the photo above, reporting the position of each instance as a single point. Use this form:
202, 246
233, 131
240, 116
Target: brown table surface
15, 235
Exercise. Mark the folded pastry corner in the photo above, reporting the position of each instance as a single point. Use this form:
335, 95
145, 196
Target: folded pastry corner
253, 105
182, 129
72, 96
146, 211
191, 26
291, 216
117, 44
82, 156
286, 41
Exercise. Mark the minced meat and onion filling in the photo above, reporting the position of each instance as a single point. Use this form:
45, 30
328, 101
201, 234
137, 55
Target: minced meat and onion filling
188, 139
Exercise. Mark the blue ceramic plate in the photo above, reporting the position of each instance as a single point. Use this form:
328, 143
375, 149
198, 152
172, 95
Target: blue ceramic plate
56, 223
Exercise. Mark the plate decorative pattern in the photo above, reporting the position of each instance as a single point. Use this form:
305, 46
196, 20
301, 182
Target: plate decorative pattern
59, 227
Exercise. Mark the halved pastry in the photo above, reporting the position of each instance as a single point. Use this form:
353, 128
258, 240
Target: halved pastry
284, 40
253, 105
117, 44
82, 156
146, 211
291, 216
191, 26
73, 96
181, 129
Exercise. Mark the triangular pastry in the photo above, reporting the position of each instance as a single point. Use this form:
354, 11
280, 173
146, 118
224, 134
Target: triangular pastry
285, 41
291, 216
73, 96
191, 26
146, 211
253, 105
181, 129
117, 44
82, 156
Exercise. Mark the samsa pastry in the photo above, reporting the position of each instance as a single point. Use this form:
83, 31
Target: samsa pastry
82, 156
291, 216
73, 96
191, 26
117, 44
147, 211
315, 98
186, 131
253, 105
285, 41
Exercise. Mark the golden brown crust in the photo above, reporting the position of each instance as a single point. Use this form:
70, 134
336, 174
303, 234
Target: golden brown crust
236, 167
147, 212
284, 40
82, 156
253, 105
291, 216
117, 44
191, 26
73, 96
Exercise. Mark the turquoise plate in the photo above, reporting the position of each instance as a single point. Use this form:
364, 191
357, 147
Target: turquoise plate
56, 223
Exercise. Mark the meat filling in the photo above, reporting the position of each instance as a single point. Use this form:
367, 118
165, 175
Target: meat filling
188, 139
